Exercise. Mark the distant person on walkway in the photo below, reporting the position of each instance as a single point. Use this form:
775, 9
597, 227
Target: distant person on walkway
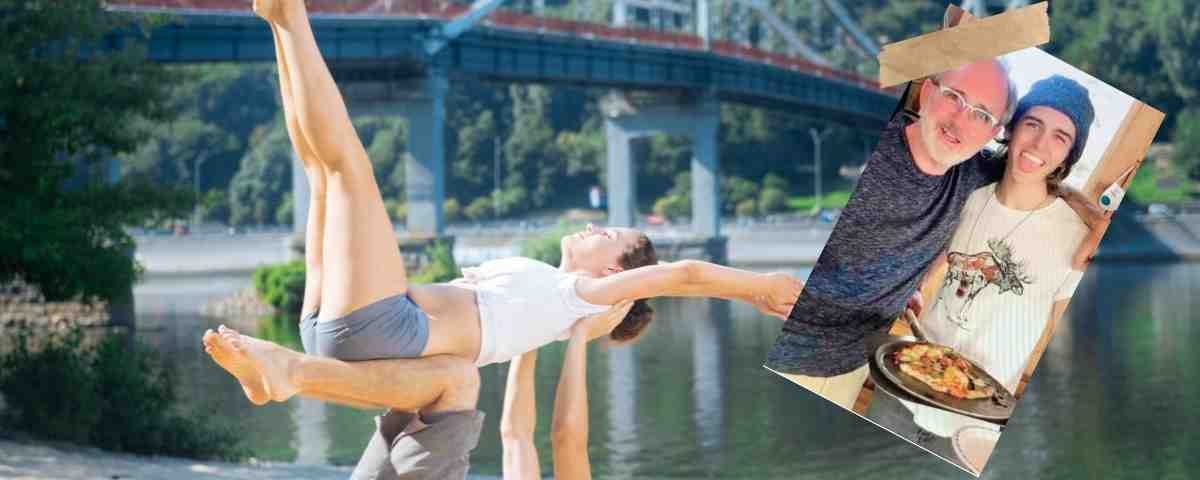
368, 311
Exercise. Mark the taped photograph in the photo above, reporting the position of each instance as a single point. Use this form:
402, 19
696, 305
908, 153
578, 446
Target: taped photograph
960, 249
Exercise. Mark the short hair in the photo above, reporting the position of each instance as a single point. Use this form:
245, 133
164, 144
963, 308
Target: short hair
1010, 105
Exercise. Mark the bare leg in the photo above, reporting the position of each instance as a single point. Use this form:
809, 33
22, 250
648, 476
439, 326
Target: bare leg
315, 229
429, 385
362, 262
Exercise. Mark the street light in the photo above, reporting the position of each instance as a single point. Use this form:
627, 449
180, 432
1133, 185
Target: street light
196, 190
818, 137
496, 176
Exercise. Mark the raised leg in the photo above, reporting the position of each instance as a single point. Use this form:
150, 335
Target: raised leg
361, 259
314, 231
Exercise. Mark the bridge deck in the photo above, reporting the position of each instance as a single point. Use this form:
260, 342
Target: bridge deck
380, 40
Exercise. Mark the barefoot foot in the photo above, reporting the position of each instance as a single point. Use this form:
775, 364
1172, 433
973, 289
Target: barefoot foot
276, 12
268, 10
268, 360
236, 364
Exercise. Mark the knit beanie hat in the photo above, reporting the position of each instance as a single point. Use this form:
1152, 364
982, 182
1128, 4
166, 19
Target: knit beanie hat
1066, 96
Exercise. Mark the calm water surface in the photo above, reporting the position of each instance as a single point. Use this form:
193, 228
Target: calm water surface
1117, 394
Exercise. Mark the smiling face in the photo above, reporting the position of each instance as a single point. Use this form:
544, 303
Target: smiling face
951, 132
1039, 144
598, 250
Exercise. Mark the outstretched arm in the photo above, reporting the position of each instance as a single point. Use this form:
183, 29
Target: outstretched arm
772, 293
569, 430
569, 433
519, 420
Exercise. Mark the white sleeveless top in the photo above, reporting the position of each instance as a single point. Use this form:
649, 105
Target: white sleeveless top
523, 304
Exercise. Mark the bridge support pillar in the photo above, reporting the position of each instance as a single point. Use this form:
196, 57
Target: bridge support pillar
425, 163
697, 118
300, 195
422, 103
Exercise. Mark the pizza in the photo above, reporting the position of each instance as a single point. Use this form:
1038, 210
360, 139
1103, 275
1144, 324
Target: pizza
943, 370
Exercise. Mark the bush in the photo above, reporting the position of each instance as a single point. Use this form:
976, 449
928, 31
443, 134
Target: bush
281, 286
673, 206
772, 200
735, 191
396, 209
49, 391
479, 208
116, 395
746, 208
547, 247
451, 209
441, 266
775, 181
1186, 136
1146, 189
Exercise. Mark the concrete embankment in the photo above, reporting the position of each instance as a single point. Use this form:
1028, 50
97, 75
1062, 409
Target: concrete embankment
32, 459
1131, 237
1152, 238
28, 459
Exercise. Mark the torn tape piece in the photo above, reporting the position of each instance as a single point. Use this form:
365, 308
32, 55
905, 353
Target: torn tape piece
944, 50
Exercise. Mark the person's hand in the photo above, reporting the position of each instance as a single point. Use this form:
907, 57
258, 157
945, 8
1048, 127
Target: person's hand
603, 323
778, 294
913, 311
1090, 212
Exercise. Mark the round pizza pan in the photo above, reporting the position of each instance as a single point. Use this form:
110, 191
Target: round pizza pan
997, 408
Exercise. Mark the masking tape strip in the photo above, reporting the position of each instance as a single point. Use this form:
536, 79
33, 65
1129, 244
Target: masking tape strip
1129, 147
944, 50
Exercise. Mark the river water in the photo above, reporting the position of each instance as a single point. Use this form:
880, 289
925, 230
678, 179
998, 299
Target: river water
1117, 394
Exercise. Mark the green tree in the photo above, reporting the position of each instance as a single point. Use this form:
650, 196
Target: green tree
1178, 28
68, 107
265, 174
212, 129
1187, 142
530, 154
1116, 41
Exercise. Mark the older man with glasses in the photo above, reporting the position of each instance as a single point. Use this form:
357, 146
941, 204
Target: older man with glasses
899, 219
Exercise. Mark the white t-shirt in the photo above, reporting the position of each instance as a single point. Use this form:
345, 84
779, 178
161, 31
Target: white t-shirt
523, 304
1000, 289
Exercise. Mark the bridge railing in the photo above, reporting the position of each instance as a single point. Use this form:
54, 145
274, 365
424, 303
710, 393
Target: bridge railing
515, 20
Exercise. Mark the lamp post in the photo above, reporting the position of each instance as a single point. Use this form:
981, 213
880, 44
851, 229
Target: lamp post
496, 175
818, 137
196, 189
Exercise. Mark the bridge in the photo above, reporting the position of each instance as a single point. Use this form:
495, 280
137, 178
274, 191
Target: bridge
401, 57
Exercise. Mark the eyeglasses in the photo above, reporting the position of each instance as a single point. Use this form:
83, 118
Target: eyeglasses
977, 116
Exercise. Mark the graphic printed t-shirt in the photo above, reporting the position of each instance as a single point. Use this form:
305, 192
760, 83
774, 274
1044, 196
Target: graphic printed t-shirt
895, 224
1000, 288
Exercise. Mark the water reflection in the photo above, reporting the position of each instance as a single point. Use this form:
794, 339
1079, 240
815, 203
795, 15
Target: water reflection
1114, 396
623, 440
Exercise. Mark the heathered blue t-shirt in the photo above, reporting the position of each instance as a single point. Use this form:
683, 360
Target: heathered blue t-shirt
896, 223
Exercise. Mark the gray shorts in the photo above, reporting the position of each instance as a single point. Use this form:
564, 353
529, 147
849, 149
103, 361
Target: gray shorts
393, 327
406, 448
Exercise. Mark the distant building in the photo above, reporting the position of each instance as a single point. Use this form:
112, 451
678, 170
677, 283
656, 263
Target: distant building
667, 15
